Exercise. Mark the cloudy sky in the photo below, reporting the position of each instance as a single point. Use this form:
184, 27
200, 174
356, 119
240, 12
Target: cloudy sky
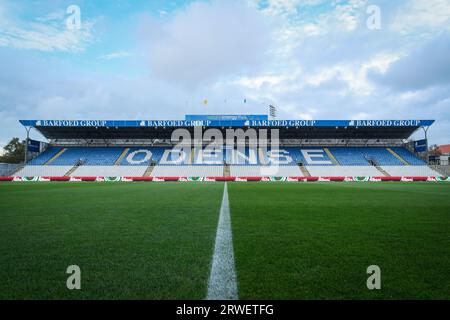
155, 59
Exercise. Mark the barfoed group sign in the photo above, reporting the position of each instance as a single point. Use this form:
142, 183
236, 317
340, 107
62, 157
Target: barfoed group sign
226, 123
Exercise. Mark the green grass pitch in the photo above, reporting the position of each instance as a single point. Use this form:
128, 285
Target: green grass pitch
291, 240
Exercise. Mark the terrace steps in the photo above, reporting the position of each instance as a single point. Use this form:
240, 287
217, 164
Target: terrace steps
395, 154
56, 156
192, 156
122, 156
149, 170
261, 156
68, 173
304, 171
444, 170
226, 170
13, 173
384, 172
331, 156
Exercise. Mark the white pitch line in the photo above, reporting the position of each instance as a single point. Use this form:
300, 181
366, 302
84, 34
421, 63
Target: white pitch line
223, 281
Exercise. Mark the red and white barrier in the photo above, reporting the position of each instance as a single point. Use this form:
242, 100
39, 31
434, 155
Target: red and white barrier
206, 179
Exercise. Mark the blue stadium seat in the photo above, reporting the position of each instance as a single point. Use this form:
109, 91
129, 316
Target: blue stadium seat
349, 156
88, 156
381, 156
408, 156
143, 156
45, 156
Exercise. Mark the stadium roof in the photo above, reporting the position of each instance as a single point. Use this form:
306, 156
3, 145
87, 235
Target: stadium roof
289, 129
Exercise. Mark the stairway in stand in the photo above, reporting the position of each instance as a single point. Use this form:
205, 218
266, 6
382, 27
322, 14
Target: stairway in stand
56, 156
304, 171
13, 173
331, 156
122, 156
395, 154
226, 170
75, 167
149, 170
384, 172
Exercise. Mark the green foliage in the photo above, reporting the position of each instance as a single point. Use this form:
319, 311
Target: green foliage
13, 152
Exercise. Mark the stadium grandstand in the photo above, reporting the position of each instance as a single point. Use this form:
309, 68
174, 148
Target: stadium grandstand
305, 148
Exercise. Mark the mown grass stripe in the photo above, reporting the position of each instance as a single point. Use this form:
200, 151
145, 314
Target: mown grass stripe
223, 281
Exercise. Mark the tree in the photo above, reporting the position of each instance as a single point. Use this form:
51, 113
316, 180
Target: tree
13, 152
433, 150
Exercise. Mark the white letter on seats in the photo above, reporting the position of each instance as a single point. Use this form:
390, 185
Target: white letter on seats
147, 157
279, 157
309, 156
178, 156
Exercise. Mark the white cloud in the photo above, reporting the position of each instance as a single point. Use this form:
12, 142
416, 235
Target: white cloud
423, 67
419, 16
116, 55
207, 41
296, 22
47, 33
286, 8
311, 64
282, 7
54, 17
264, 80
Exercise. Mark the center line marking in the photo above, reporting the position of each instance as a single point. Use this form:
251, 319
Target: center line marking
223, 281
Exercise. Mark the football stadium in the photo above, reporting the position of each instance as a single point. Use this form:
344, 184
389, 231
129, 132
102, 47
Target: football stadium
224, 158
305, 212
307, 149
